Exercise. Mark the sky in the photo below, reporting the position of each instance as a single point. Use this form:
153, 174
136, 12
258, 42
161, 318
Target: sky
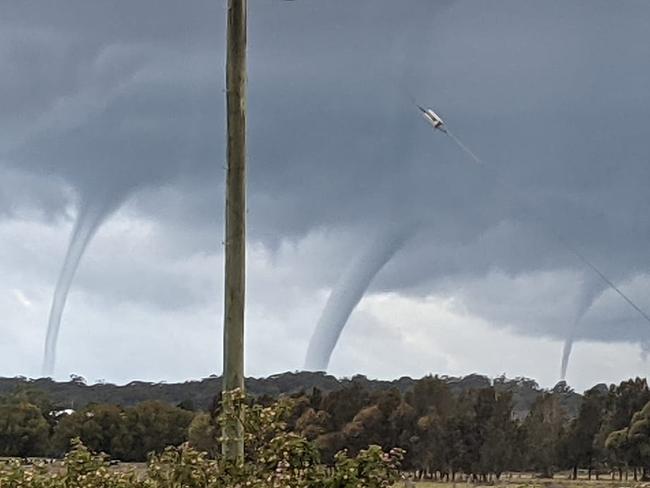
123, 103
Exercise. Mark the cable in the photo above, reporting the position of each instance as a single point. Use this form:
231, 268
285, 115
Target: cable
558, 236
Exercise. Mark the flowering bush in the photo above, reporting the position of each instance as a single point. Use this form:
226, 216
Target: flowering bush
274, 458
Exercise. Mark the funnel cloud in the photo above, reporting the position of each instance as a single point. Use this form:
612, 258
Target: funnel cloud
349, 291
590, 289
93, 210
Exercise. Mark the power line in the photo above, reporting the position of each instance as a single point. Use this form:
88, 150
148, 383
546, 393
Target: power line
441, 126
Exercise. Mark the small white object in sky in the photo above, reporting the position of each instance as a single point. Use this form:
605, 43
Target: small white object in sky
433, 118
436, 121
21, 298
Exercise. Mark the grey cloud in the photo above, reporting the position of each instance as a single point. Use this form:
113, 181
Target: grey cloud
553, 94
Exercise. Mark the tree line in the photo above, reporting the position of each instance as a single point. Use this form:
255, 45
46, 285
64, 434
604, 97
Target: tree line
274, 457
474, 433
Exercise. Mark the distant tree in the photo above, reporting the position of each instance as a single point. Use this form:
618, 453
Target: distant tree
562, 388
461, 441
638, 436
496, 430
630, 446
387, 400
624, 401
428, 444
77, 380
344, 404
23, 429
127, 434
402, 427
366, 428
203, 434
447, 425
313, 423
100, 427
430, 394
519, 455
29, 394
316, 398
187, 404
581, 445
329, 444
300, 404
619, 451
544, 427
154, 425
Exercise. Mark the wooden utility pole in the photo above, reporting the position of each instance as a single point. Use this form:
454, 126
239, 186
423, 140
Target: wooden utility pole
235, 242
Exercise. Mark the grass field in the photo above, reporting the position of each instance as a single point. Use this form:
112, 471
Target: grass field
559, 481
513, 480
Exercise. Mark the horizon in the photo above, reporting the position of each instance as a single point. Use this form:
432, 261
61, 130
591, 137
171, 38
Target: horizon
73, 377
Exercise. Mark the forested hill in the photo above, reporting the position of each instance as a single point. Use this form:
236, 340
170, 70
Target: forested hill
76, 393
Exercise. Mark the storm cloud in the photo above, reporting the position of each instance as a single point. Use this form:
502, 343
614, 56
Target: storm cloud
126, 100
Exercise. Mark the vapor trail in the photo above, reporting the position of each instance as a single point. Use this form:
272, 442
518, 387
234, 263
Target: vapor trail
467, 150
348, 293
93, 210
590, 290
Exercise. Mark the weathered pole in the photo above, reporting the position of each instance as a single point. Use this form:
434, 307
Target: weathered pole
235, 241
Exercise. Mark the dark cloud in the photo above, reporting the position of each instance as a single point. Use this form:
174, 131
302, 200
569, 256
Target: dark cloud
123, 97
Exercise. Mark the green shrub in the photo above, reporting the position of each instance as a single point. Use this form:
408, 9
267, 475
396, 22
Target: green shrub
275, 458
